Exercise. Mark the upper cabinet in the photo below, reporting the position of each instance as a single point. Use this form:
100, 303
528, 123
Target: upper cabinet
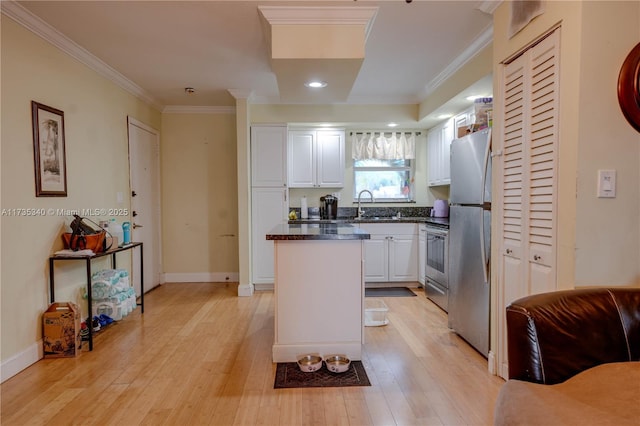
438, 151
439, 146
269, 156
316, 158
463, 120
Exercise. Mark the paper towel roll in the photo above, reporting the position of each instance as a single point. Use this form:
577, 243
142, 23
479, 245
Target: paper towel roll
304, 212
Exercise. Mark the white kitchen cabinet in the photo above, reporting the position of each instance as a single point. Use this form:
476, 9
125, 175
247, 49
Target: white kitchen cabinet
464, 119
438, 151
376, 259
268, 208
422, 252
403, 258
269, 196
269, 156
316, 158
391, 255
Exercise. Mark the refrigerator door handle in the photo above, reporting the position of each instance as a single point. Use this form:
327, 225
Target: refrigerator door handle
487, 154
483, 249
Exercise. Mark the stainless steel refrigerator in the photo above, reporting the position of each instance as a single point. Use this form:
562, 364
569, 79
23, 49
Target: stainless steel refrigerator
470, 238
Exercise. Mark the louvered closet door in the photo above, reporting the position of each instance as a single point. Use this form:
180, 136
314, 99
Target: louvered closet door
513, 172
528, 178
542, 158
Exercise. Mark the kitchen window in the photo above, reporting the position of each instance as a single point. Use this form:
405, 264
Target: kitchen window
388, 180
383, 163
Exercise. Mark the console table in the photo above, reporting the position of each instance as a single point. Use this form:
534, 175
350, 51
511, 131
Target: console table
88, 259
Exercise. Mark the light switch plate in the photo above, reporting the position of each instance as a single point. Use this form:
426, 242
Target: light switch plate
606, 183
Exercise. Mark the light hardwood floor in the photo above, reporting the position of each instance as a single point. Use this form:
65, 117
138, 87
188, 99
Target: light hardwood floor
200, 355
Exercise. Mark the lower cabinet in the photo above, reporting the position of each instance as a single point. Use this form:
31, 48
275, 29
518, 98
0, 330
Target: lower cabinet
391, 255
269, 208
422, 253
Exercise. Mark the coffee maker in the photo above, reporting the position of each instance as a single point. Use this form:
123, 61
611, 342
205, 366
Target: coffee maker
329, 207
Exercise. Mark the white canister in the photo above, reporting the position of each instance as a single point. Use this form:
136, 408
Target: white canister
304, 211
115, 229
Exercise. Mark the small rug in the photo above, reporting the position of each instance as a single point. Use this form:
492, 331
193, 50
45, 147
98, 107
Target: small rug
288, 375
388, 292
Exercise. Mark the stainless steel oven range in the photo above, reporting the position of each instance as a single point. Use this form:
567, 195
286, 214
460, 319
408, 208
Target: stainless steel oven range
437, 265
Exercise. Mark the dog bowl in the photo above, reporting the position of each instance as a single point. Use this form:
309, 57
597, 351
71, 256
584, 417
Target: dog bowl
337, 363
310, 363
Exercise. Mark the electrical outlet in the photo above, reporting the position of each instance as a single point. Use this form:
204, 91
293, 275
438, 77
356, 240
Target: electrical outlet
606, 183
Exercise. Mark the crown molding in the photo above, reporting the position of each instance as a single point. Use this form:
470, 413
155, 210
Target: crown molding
241, 93
482, 41
192, 109
42, 29
321, 15
489, 6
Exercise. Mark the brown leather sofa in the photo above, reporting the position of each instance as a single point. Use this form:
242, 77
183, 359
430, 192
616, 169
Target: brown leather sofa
574, 359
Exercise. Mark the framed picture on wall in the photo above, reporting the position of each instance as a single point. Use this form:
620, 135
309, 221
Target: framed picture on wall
49, 152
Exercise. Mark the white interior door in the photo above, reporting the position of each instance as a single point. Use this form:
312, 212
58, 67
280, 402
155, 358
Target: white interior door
144, 166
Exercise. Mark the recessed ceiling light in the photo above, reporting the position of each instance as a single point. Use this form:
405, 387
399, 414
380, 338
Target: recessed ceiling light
392, 124
189, 90
316, 84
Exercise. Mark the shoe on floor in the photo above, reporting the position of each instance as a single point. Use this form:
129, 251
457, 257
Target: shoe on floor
95, 322
106, 319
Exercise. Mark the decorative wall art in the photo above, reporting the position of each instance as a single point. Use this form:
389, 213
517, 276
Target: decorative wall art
629, 87
49, 152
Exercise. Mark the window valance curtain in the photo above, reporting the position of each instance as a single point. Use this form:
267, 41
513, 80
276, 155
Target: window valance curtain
383, 145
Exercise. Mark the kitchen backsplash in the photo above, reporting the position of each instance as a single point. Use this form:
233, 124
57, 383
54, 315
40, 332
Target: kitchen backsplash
349, 212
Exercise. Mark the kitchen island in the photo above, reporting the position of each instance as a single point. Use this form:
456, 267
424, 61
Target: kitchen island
319, 290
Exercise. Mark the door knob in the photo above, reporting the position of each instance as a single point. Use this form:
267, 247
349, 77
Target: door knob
536, 257
135, 225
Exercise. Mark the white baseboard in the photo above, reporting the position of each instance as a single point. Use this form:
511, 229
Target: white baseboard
245, 290
264, 287
291, 353
492, 363
200, 277
21, 360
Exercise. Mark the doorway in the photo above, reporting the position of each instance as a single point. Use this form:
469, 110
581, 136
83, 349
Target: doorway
144, 169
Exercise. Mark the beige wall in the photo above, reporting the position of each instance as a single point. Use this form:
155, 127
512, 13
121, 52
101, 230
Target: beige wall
95, 119
607, 245
199, 193
338, 115
598, 239
474, 70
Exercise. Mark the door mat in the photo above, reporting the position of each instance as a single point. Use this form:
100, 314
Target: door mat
388, 292
288, 375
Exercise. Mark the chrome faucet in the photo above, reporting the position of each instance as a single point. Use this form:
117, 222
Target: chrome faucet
360, 211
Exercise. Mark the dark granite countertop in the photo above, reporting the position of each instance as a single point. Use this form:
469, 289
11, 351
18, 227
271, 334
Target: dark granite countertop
317, 231
441, 222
